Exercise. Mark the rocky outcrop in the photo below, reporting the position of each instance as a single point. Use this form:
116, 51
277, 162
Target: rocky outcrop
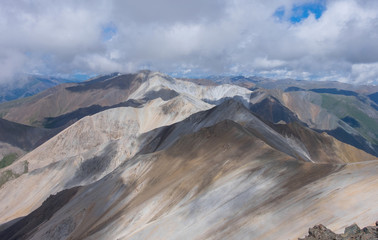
320, 232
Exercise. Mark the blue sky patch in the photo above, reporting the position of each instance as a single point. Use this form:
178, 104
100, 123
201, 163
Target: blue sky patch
302, 11
108, 31
280, 13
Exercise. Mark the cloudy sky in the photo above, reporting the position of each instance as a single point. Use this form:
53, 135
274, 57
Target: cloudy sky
319, 40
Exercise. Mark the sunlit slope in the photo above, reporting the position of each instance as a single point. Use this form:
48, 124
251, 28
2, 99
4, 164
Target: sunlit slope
220, 182
87, 151
94, 146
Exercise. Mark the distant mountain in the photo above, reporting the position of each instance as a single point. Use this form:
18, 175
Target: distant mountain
104, 91
348, 116
374, 97
347, 112
344, 114
28, 86
307, 85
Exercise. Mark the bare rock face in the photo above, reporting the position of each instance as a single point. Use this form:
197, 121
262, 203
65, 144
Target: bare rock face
320, 232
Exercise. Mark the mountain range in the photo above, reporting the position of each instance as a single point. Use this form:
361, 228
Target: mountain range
148, 156
28, 85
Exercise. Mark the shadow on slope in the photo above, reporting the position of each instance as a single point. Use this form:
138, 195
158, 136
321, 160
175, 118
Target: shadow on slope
22, 136
68, 119
24, 228
374, 97
351, 139
334, 91
125, 81
187, 175
270, 109
91, 168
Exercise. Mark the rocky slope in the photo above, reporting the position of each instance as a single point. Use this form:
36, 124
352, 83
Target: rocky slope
352, 232
219, 182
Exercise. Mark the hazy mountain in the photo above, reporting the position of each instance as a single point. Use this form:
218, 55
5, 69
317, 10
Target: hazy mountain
28, 86
148, 156
374, 97
284, 84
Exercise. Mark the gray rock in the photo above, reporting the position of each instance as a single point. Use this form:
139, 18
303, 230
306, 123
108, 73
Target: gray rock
353, 232
352, 229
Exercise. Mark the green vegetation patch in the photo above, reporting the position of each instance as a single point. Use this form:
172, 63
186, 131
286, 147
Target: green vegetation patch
8, 160
7, 176
16, 102
35, 123
344, 106
26, 167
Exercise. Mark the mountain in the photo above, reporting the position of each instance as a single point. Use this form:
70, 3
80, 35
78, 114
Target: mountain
28, 86
211, 174
67, 98
345, 111
148, 156
354, 123
350, 118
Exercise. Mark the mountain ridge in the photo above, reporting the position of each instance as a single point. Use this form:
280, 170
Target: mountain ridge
136, 154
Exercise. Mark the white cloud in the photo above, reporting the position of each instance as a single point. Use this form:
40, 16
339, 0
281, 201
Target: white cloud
211, 37
267, 63
10, 62
365, 73
99, 62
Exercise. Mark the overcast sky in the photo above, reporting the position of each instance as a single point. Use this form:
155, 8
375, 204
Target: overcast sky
320, 40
